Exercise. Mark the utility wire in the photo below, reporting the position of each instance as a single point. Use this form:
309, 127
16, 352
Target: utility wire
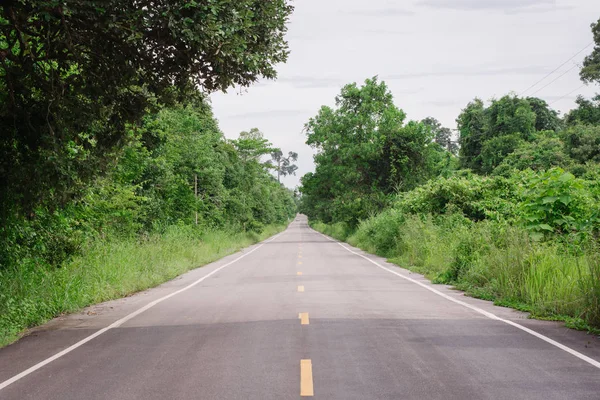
568, 94
554, 80
557, 68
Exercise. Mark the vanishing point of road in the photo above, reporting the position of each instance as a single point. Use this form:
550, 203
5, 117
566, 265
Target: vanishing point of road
300, 315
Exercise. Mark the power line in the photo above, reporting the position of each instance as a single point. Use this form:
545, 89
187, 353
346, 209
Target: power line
568, 94
556, 69
554, 80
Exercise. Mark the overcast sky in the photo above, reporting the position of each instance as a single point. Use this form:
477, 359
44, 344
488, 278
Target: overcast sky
435, 56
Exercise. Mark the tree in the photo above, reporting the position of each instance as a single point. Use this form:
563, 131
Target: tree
546, 119
582, 143
284, 165
489, 134
545, 152
587, 112
252, 145
590, 72
471, 126
365, 153
74, 74
442, 135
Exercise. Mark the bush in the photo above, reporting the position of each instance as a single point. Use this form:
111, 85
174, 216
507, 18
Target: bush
476, 197
557, 202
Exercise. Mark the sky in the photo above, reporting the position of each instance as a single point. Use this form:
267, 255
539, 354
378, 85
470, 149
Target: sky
434, 55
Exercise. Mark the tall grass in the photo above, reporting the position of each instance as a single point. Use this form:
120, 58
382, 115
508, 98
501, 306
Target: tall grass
338, 230
107, 270
489, 260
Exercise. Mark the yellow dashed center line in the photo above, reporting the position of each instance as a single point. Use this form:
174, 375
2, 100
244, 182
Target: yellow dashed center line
303, 316
306, 378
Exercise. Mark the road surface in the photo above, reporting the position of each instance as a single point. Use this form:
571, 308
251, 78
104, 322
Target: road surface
300, 316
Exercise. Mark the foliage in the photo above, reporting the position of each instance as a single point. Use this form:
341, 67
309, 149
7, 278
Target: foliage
475, 197
587, 111
74, 74
365, 153
515, 219
108, 144
582, 143
546, 119
177, 165
490, 260
441, 135
520, 226
283, 165
136, 226
591, 64
471, 125
547, 150
109, 269
557, 202
487, 135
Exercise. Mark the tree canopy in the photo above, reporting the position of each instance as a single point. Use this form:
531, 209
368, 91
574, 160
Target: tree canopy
365, 152
590, 72
283, 165
488, 134
74, 74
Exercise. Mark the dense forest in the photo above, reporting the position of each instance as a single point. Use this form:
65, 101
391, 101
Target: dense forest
114, 174
509, 210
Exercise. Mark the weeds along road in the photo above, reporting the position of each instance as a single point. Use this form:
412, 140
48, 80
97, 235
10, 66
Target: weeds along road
300, 315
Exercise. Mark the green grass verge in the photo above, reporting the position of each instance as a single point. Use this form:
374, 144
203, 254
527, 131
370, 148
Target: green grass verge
488, 260
109, 270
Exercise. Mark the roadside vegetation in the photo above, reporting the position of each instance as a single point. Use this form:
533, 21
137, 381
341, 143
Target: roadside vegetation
508, 211
114, 174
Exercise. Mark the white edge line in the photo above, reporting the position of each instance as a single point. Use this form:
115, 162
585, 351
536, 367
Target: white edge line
488, 314
125, 319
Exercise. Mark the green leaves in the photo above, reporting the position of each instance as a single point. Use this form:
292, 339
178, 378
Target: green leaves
488, 135
175, 154
365, 153
591, 65
100, 66
556, 201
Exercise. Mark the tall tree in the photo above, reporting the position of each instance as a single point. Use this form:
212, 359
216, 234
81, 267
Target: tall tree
252, 145
442, 135
587, 112
546, 119
471, 126
489, 134
590, 72
364, 153
283, 165
74, 74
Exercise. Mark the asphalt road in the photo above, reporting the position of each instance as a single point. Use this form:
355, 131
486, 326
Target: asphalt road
300, 315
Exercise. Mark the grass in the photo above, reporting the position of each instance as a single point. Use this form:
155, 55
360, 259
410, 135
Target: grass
489, 260
108, 270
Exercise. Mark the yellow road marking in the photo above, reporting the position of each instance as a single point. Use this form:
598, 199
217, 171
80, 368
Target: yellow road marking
299, 273
306, 378
301, 288
303, 318
299, 255
299, 262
